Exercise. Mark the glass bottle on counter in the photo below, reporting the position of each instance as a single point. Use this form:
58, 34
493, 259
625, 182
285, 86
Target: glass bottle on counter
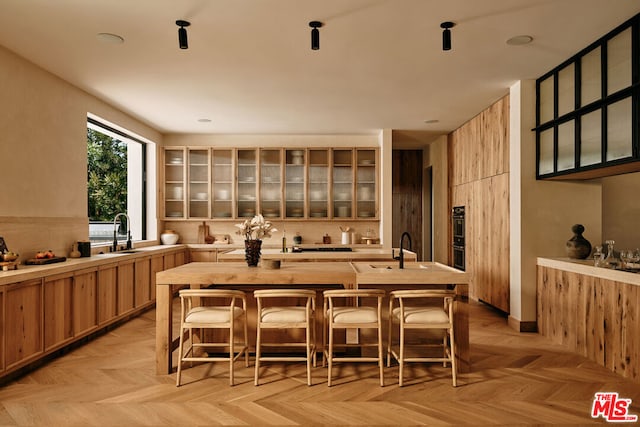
610, 261
598, 256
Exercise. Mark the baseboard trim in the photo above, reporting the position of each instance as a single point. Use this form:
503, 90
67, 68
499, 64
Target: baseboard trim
522, 326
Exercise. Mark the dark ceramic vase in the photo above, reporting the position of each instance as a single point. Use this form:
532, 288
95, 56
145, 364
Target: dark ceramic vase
578, 247
252, 252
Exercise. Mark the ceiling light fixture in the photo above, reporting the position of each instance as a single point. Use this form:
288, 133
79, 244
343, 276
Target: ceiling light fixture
446, 34
519, 40
315, 34
110, 38
182, 33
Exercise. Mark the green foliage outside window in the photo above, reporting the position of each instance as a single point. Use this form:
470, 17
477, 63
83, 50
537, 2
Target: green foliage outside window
107, 176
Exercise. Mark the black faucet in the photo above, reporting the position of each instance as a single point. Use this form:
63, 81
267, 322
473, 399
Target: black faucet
115, 232
401, 256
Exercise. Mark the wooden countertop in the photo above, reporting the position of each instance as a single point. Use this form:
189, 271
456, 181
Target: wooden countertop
355, 254
239, 273
586, 267
29, 272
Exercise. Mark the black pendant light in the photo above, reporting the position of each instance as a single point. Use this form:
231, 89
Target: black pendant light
446, 34
182, 33
315, 34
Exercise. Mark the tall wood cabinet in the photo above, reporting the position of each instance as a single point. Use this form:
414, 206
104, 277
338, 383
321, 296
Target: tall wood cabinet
280, 183
479, 181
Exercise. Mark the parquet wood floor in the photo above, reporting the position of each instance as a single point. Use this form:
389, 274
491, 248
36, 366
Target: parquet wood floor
515, 379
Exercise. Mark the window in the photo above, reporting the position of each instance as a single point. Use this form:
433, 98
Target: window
116, 171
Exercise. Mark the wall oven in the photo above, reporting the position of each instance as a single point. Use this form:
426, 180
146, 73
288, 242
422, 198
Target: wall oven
457, 221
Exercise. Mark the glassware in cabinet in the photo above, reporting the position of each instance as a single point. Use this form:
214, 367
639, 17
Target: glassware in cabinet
318, 183
342, 174
294, 183
246, 189
271, 183
174, 183
222, 183
199, 183
366, 183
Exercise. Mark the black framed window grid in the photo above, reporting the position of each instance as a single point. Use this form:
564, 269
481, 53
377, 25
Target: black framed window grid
560, 147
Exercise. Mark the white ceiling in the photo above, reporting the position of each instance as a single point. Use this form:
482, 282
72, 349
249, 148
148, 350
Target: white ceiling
249, 67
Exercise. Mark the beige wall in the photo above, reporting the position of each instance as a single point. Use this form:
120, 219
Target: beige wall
621, 211
43, 204
541, 212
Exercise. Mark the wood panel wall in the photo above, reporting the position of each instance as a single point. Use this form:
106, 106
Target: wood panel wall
407, 198
479, 180
594, 317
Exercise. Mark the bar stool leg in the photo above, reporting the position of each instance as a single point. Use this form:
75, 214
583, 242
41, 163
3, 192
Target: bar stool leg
257, 361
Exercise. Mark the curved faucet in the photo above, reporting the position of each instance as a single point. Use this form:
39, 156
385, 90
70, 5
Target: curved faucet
115, 231
401, 257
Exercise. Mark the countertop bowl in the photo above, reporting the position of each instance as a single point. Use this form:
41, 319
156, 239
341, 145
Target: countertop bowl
169, 238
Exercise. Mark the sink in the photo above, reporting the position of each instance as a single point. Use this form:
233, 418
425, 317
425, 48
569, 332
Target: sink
128, 251
407, 266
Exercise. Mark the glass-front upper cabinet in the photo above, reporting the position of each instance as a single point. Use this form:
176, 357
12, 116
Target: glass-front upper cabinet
222, 183
342, 183
294, 183
198, 183
174, 183
271, 183
247, 168
366, 189
587, 115
318, 193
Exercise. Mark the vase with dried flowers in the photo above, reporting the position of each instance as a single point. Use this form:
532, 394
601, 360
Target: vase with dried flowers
253, 231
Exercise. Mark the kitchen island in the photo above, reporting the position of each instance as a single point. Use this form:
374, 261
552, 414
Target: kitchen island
319, 276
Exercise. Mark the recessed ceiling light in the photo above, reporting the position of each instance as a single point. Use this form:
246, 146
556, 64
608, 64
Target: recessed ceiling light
431, 121
204, 120
519, 40
110, 38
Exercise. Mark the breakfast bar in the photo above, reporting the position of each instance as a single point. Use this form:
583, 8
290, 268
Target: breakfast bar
319, 276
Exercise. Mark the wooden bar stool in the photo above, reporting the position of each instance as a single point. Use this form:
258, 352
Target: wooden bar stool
286, 316
352, 316
194, 314
436, 321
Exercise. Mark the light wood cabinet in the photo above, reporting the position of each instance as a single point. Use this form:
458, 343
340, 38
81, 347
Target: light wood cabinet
209, 255
40, 316
592, 316
58, 314
126, 280
23, 323
142, 282
107, 293
85, 301
280, 183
